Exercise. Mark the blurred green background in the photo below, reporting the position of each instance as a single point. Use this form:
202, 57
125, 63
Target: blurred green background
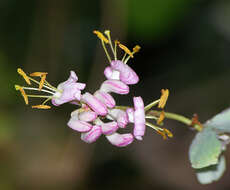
185, 47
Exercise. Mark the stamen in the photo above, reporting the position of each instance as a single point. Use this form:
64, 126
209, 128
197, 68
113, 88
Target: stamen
163, 98
136, 49
107, 33
36, 89
148, 107
43, 78
101, 36
17, 87
126, 50
168, 133
38, 74
41, 106
161, 118
162, 133
23, 74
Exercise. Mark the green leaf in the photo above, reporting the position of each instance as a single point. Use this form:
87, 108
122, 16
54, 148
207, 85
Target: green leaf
205, 149
212, 173
220, 122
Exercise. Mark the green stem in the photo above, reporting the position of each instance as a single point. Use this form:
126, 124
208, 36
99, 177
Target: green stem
179, 118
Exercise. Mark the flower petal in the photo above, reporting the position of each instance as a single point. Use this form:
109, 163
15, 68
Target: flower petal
120, 116
105, 98
111, 73
78, 125
109, 127
87, 116
94, 104
120, 140
130, 112
139, 118
115, 86
127, 74
92, 135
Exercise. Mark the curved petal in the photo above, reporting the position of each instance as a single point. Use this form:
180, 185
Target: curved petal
94, 104
120, 116
87, 116
92, 135
105, 98
127, 74
120, 140
139, 118
111, 73
109, 127
78, 125
115, 86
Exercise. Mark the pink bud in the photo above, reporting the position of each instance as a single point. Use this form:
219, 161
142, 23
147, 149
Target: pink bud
87, 116
115, 86
105, 98
127, 75
139, 118
94, 104
92, 135
120, 140
78, 125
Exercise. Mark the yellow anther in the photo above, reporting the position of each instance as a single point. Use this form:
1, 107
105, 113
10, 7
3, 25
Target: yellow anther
23, 74
162, 133
168, 133
101, 36
43, 78
164, 97
161, 118
136, 49
17, 87
41, 107
38, 74
107, 32
126, 50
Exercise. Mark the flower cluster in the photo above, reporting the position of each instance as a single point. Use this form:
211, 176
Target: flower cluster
98, 114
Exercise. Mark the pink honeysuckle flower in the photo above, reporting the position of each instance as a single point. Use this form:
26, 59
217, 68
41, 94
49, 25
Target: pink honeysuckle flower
120, 140
127, 75
68, 91
78, 125
139, 118
107, 128
120, 116
115, 86
94, 103
92, 135
105, 98
111, 73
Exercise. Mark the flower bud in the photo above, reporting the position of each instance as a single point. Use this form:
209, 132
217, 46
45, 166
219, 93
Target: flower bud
92, 135
105, 98
120, 140
115, 86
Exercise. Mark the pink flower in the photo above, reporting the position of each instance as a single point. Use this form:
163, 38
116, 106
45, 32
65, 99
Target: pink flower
139, 118
68, 91
94, 103
120, 140
107, 128
92, 135
78, 125
115, 86
120, 116
127, 75
111, 73
105, 98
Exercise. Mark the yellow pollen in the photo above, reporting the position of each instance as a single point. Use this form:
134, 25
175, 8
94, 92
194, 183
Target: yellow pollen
126, 50
168, 133
164, 97
136, 49
38, 74
41, 107
23, 74
101, 36
161, 118
17, 87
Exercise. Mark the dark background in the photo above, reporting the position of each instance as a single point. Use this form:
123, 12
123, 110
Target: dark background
185, 47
